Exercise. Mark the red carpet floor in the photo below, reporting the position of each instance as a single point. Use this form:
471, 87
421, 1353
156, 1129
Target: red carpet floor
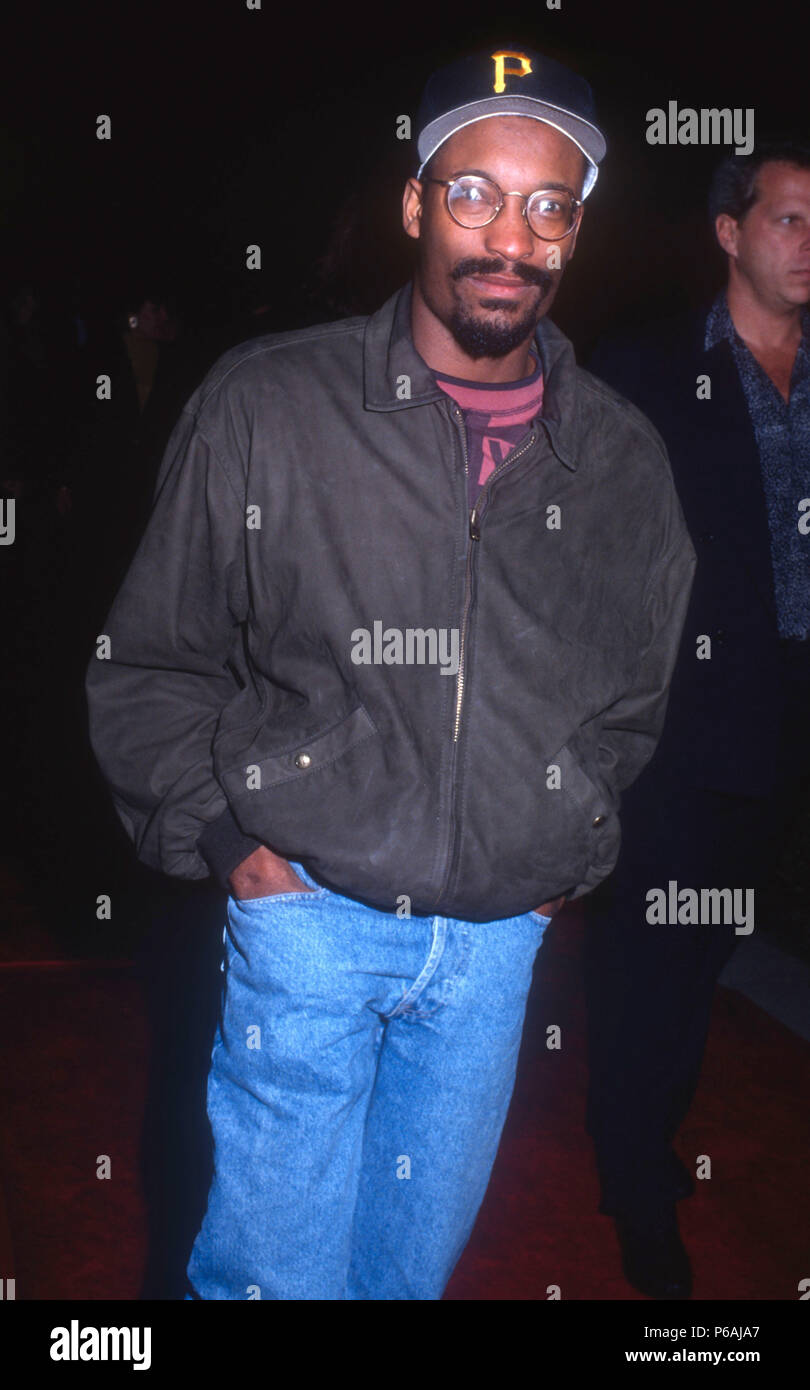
74, 1053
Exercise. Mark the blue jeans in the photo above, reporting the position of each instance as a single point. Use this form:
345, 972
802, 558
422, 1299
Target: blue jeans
360, 1077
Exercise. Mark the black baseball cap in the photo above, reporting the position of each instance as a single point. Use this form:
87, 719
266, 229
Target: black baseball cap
509, 82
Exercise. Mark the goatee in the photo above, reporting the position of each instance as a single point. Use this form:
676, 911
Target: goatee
489, 337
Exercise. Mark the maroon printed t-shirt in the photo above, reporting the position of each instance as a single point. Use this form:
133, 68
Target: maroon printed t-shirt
496, 416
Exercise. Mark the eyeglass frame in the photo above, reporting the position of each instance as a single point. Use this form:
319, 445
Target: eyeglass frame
576, 209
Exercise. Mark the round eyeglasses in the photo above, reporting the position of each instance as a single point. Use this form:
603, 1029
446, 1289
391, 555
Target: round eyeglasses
474, 201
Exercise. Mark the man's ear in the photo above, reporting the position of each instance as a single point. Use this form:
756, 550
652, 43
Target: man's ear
572, 240
412, 208
725, 228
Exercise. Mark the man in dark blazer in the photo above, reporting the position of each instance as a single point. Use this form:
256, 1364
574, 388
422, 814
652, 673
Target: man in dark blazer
729, 390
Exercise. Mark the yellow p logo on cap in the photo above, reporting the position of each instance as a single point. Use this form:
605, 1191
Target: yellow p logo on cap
501, 70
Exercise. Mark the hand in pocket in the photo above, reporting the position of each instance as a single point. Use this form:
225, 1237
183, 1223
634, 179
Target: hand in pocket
264, 874
549, 909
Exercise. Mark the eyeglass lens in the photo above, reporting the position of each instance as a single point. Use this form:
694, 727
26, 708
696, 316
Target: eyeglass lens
474, 202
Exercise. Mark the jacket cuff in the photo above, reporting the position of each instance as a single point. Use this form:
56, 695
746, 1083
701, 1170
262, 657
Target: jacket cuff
223, 845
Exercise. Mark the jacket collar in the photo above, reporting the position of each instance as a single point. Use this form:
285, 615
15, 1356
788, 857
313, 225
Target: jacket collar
395, 377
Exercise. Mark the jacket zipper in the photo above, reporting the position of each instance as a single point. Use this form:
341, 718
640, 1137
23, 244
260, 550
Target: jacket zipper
474, 532
475, 535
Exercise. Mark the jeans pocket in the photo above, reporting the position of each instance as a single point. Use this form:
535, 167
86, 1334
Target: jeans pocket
297, 895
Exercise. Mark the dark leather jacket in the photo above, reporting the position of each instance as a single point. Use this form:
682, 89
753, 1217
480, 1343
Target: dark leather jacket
314, 487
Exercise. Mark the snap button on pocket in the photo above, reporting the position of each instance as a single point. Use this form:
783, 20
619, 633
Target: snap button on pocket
286, 765
597, 821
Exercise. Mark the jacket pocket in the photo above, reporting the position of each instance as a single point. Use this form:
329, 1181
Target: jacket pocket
596, 809
301, 758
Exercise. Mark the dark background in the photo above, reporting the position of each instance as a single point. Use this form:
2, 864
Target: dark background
277, 126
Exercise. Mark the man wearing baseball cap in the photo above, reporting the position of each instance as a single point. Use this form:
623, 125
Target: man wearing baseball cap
399, 630
506, 83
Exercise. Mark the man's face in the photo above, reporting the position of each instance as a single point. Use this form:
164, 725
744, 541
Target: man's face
771, 245
153, 321
490, 318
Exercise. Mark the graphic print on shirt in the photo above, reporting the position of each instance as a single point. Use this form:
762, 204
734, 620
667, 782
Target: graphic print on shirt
497, 417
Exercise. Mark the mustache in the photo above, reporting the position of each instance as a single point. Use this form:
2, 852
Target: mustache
532, 274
